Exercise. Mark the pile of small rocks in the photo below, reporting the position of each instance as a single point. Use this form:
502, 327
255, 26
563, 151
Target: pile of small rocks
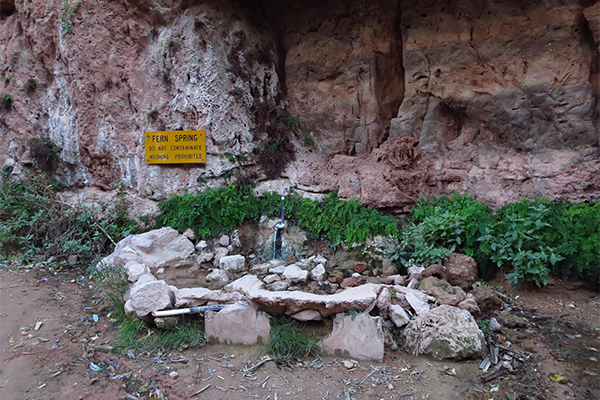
427, 311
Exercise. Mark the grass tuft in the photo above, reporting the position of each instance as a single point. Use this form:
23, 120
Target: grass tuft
288, 341
137, 336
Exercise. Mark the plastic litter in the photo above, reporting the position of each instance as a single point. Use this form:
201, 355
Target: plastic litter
95, 367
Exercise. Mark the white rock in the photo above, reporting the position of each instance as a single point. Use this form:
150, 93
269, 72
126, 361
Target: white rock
159, 248
193, 297
416, 303
205, 257
145, 278
201, 245
189, 233
150, 296
235, 239
220, 252
444, 332
235, 263
398, 315
384, 300
318, 273
278, 286
357, 298
261, 268
219, 276
356, 336
271, 278
277, 270
413, 284
239, 323
173, 375
307, 315
224, 240
494, 325
135, 271
415, 271
295, 274
319, 259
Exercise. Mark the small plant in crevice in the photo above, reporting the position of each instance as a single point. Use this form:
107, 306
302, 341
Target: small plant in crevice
289, 342
31, 85
6, 100
483, 325
240, 158
67, 12
6, 79
275, 149
45, 153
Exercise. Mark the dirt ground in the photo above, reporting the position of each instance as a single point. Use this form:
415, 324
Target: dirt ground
52, 347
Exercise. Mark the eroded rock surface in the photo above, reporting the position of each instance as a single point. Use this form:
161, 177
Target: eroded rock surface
239, 323
357, 336
444, 332
159, 248
358, 298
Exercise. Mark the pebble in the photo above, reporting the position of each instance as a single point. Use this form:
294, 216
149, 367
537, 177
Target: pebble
173, 374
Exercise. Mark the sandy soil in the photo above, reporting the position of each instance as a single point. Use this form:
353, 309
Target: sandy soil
53, 361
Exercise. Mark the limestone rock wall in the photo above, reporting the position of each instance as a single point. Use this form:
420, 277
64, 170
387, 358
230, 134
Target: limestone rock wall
404, 98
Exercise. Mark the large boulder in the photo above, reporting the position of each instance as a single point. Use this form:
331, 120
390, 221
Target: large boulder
239, 323
295, 274
444, 332
461, 270
357, 336
159, 248
146, 297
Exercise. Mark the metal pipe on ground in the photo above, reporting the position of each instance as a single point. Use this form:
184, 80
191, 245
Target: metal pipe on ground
182, 311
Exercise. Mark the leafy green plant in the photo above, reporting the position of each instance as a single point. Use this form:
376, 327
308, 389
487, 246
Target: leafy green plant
483, 325
31, 84
6, 101
6, 79
288, 341
532, 237
234, 158
35, 223
209, 212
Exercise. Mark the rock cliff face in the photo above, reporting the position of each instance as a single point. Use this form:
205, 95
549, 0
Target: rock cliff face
403, 98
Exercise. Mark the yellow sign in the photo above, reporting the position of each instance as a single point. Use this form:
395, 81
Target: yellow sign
175, 147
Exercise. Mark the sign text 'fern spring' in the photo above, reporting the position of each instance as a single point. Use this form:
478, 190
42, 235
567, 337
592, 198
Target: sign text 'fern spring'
175, 147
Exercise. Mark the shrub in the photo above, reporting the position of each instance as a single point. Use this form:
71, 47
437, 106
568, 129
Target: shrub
533, 238
35, 223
